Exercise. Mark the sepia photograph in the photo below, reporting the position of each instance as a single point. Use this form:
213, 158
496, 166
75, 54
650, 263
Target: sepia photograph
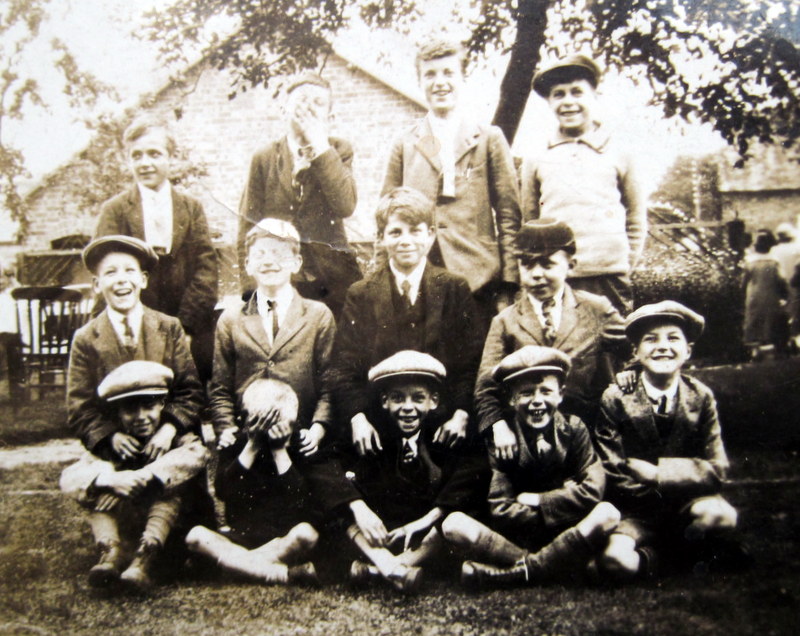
400, 317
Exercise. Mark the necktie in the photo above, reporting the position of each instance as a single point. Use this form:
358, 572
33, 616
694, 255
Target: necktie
272, 306
408, 452
405, 286
128, 339
548, 307
543, 447
662, 405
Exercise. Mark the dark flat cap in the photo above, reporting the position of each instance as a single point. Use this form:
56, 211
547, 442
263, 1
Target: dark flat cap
409, 364
99, 247
690, 321
138, 377
544, 236
532, 360
567, 70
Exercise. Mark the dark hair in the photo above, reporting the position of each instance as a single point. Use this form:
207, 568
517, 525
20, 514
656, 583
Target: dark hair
765, 241
410, 205
315, 79
142, 125
436, 47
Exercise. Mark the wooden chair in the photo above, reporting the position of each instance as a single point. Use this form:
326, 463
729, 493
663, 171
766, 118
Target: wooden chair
47, 318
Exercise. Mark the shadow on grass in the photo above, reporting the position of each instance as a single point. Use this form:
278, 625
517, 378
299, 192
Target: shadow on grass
39, 420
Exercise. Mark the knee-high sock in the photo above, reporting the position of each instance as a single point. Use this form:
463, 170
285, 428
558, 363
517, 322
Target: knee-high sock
430, 545
566, 554
384, 560
104, 528
493, 547
294, 545
161, 518
235, 558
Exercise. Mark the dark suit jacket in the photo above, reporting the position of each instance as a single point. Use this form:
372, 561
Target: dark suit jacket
300, 356
589, 326
453, 480
369, 333
570, 484
96, 351
184, 284
691, 461
327, 195
475, 230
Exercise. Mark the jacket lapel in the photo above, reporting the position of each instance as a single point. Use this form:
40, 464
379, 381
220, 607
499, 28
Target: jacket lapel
108, 345
466, 140
180, 220
569, 317
687, 417
527, 319
641, 414
253, 324
382, 292
136, 216
427, 145
293, 323
434, 300
284, 168
153, 336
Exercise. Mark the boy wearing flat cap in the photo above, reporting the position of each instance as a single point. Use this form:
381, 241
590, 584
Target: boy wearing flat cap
585, 179
414, 485
661, 447
126, 330
137, 496
267, 502
549, 313
408, 303
545, 503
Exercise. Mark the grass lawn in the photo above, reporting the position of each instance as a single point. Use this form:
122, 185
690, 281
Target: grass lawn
46, 551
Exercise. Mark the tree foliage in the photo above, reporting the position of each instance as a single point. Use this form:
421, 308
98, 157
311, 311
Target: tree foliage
691, 185
20, 33
732, 63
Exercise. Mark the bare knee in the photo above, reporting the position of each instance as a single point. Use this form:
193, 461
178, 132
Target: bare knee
713, 514
196, 537
459, 528
620, 558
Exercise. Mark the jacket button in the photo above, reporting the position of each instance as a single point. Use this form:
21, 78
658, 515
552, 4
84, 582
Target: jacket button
271, 363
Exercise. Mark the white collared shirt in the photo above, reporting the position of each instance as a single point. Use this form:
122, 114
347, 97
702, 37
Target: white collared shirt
414, 280
134, 316
655, 394
445, 131
283, 299
157, 215
556, 312
413, 443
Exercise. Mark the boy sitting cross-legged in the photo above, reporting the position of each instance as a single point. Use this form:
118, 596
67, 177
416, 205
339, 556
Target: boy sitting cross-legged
414, 484
134, 496
545, 500
662, 449
267, 502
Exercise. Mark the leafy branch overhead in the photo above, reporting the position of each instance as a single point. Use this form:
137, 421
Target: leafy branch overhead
732, 63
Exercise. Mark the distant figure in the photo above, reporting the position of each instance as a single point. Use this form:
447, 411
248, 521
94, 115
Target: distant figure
586, 179
765, 294
787, 253
10, 341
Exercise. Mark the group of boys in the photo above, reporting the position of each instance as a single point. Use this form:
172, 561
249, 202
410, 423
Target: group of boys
387, 419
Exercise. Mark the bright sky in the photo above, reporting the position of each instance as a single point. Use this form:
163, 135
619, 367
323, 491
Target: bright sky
100, 34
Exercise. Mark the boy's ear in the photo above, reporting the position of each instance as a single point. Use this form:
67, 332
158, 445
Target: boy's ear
298, 263
435, 399
95, 284
384, 400
145, 278
689, 347
572, 262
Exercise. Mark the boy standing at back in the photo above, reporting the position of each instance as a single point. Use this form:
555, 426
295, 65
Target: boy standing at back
661, 446
549, 313
467, 170
127, 330
406, 304
584, 179
184, 281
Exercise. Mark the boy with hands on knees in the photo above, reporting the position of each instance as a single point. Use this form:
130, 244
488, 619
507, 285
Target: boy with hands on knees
544, 501
135, 487
413, 485
662, 450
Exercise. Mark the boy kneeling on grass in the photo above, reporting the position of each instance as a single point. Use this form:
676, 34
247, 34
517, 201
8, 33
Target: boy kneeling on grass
662, 450
267, 502
414, 486
125, 492
546, 498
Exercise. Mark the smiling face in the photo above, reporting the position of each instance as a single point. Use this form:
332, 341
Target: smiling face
271, 262
574, 104
149, 159
543, 275
441, 79
140, 416
406, 245
120, 280
535, 400
408, 404
662, 351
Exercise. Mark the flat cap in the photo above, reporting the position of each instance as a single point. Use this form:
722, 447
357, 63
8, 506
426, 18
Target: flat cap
566, 70
138, 377
99, 247
530, 360
276, 228
690, 321
544, 236
409, 364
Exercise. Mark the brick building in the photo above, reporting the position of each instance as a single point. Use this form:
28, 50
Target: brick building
223, 134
